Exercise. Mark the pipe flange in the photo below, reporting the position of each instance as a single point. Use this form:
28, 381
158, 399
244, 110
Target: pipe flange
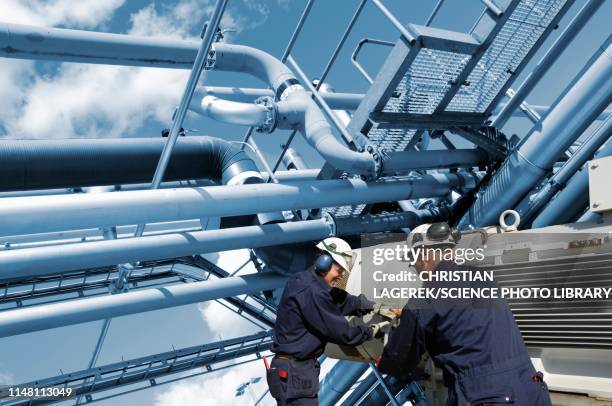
331, 223
270, 121
211, 59
377, 157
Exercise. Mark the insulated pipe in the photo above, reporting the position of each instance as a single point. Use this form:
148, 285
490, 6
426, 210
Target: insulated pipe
46, 164
35, 318
339, 380
25, 215
531, 204
570, 115
572, 200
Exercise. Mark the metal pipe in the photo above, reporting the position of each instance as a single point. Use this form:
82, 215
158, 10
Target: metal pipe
44, 164
531, 204
574, 197
46, 260
70, 257
404, 161
335, 100
319, 134
232, 112
314, 127
78, 211
36, 318
339, 380
553, 53
293, 160
570, 115
58, 44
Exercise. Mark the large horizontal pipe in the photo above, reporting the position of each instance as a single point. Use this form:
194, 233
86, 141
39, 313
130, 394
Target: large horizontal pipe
51, 259
35, 318
48, 164
28, 262
57, 44
26, 215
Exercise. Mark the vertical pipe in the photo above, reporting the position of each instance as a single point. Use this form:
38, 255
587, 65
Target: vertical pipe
566, 37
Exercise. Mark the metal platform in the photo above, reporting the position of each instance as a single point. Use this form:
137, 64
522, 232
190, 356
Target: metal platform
441, 79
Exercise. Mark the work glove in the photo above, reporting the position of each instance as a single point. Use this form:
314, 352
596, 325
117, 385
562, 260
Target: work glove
379, 329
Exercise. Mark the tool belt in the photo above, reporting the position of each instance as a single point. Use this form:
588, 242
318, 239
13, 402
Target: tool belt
293, 378
291, 357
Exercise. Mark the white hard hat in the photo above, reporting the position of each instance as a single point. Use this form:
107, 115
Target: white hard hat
431, 235
339, 250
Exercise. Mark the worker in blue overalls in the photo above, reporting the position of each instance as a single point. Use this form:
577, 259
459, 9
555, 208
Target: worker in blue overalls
476, 343
311, 313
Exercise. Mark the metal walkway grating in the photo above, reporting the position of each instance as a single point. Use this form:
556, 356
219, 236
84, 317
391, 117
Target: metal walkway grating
447, 79
517, 37
426, 82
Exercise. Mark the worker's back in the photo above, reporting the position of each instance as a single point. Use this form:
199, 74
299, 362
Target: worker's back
476, 342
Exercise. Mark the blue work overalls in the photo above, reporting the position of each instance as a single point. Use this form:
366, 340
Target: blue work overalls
476, 343
309, 315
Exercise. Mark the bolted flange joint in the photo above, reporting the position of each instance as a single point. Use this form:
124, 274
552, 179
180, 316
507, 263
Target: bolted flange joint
211, 59
377, 157
270, 121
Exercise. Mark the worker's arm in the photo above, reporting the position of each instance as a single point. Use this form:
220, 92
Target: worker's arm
351, 305
324, 317
404, 349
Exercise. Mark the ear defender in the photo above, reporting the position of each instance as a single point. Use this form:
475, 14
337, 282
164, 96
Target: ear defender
323, 263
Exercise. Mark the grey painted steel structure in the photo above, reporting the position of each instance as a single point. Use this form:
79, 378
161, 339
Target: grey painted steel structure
571, 114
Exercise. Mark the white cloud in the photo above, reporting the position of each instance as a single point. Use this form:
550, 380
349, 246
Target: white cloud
81, 14
217, 388
82, 100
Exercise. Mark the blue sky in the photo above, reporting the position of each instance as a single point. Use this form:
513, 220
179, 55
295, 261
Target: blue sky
51, 100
